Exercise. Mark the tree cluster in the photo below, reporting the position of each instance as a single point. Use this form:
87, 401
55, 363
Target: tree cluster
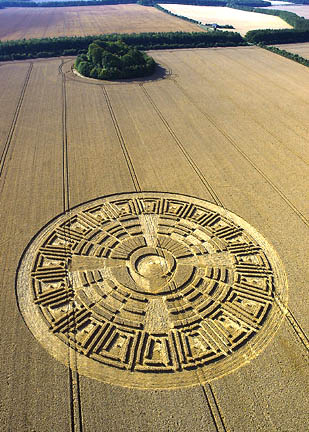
114, 60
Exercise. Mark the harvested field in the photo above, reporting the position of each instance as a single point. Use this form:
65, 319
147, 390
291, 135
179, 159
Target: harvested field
301, 10
226, 125
241, 21
20, 23
301, 49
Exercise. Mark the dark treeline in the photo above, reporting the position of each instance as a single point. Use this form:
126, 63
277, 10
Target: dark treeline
250, 3
287, 54
188, 2
270, 37
54, 47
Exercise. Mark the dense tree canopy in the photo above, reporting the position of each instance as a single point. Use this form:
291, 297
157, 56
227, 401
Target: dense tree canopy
53, 47
114, 60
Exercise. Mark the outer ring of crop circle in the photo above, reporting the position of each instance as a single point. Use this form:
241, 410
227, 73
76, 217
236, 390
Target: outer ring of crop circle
85, 366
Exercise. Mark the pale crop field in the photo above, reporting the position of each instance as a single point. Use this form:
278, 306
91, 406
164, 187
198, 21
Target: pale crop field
241, 21
20, 23
301, 10
229, 125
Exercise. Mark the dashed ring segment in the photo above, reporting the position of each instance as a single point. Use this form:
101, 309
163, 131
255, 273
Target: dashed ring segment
151, 290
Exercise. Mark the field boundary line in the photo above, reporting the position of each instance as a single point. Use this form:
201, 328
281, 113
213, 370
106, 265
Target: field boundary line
190, 160
8, 141
73, 375
286, 311
122, 141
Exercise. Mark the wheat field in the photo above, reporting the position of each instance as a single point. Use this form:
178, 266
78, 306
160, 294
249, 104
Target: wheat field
242, 21
228, 125
27, 23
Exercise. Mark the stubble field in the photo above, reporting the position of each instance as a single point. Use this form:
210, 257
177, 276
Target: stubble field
227, 125
242, 21
20, 23
300, 10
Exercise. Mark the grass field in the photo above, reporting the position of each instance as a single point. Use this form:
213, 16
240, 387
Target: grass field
20, 23
241, 21
229, 125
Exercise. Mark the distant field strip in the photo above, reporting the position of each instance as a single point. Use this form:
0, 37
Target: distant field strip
20, 23
301, 49
241, 21
300, 10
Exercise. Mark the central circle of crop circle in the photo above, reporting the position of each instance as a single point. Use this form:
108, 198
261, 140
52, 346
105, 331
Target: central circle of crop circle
152, 266
151, 290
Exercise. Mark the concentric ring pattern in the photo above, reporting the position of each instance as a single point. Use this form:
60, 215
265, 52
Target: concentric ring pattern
151, 290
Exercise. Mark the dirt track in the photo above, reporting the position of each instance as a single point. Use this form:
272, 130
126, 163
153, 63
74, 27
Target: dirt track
227, 125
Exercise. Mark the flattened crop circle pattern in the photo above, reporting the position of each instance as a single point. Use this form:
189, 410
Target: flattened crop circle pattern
151, 290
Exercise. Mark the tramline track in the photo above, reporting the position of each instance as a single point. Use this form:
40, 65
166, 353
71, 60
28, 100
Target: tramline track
122, 142
8, 142
189, 159
74, 386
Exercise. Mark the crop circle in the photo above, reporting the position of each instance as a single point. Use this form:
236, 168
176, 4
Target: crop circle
151, 290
